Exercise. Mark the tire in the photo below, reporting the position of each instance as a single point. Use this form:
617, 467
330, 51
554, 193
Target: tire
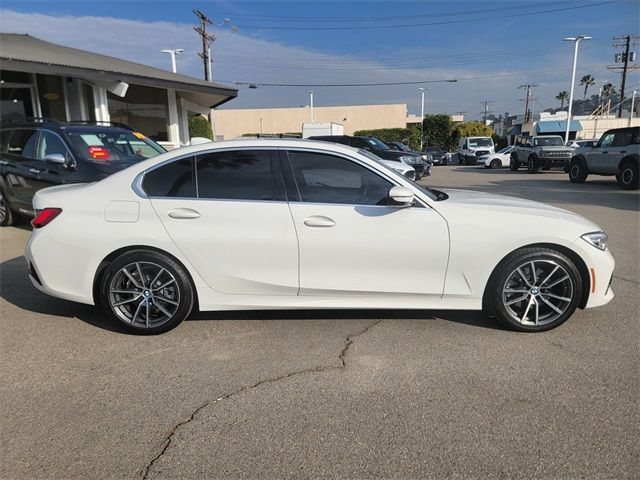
628, 175
532, 165
143, 309
7, 217
460, 159
495, 163
512, 287
578, 172
514, 165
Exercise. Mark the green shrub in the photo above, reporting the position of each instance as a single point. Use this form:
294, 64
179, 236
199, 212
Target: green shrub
437, 131
469, 129
409, 136
199, 126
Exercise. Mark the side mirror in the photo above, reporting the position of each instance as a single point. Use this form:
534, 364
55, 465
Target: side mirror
56, 158
400, 197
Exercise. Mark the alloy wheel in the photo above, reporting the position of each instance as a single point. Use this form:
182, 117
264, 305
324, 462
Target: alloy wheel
627, 176
537, 292
144, 294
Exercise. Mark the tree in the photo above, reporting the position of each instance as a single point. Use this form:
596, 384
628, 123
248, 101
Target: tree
562, 96
437, 131
586, 81
469, 129
199, 126
608, 90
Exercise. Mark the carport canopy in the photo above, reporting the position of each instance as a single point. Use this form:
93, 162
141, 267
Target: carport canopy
554, 126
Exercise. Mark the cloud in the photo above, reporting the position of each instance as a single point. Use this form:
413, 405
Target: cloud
241, 57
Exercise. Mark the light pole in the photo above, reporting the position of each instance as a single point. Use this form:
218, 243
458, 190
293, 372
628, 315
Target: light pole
422, 89
311, 104
173, 54
633, 102
576, 41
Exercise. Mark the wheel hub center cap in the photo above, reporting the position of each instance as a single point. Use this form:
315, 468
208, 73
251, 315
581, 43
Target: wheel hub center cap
146, 293
535, 291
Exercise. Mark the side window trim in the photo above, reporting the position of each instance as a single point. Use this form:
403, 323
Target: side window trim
20, 155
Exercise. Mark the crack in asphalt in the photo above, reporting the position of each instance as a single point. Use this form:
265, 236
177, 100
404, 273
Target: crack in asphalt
626, 279
144, 472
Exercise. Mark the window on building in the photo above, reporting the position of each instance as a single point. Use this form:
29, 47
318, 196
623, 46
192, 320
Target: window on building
51, 95
143, 108
90, 104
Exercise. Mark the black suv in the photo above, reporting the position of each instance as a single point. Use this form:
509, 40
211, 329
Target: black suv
380, 149
36, 153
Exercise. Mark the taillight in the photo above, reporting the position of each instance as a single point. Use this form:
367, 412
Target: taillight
98, 153
45, 216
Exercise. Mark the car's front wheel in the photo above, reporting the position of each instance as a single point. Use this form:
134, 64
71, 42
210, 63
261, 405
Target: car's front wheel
532, 165
514, 164
146, 291
534, 289
495, 163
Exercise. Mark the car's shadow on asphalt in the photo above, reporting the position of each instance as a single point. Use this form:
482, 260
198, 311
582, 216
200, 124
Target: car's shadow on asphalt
547, 187
16, 288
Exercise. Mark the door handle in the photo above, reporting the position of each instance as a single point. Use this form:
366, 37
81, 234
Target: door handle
34, 170
184, 213
318, 221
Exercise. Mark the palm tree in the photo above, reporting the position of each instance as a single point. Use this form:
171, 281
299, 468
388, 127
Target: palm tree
586, 81
562, 96
608, 90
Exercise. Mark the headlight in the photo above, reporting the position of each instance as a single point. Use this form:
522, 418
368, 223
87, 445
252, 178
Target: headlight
597, 239
428, 157
407, 159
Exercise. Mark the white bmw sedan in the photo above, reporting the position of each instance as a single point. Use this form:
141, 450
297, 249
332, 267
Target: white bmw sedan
296, 224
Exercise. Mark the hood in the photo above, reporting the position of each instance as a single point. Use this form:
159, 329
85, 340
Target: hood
395, 155
501, 203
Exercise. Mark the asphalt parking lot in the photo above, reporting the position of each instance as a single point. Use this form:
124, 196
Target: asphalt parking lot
339, 394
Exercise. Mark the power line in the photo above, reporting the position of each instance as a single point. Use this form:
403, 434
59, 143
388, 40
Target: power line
412, 25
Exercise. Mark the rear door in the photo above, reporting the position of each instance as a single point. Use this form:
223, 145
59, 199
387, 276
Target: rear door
351, 241
46, 174
17, 174
618, 149
227, 212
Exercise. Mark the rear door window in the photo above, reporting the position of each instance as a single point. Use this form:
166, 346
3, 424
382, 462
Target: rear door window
240, 175
175, 179
23, 143
622, 138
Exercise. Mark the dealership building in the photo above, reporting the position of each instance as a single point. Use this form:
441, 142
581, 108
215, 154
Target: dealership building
43, 79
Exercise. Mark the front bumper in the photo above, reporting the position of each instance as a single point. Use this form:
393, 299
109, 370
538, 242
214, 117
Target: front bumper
600, 266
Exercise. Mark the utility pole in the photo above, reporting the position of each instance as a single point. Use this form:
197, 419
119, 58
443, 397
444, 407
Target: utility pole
486, 109
527, 116
626, 57
206, 41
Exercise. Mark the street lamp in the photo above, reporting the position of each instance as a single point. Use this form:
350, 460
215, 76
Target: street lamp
422, 89
173, 54
576, 41
311, 104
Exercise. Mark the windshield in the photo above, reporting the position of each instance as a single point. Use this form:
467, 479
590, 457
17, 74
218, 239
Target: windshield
429, 193
548, 142
377, 144
113, 144
480, 142
505, 150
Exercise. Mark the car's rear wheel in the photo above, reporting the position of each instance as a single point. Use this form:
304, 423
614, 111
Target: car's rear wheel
146, 291
534, 289
7, 217
495, 163
628, 176
578, 173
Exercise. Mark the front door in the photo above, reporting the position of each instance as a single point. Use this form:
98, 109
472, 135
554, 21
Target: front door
352, 242
598, 158
227, 213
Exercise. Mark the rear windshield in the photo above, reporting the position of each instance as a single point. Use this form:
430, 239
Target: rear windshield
377, 144
114, 144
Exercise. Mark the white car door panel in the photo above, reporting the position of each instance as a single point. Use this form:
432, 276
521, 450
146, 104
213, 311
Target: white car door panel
238, 246
370, 249
352, 242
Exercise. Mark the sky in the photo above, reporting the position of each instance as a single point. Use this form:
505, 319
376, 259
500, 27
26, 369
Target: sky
491, 47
